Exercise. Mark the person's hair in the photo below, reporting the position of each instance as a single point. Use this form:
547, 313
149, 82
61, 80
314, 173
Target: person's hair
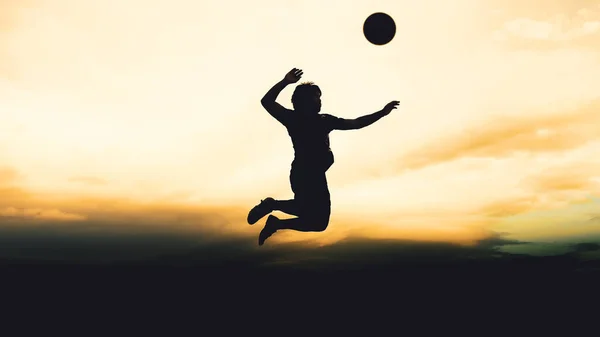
302, 92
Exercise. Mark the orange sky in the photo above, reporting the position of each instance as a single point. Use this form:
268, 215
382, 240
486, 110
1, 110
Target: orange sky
151, 101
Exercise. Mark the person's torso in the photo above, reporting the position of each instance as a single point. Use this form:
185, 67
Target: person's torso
310, 139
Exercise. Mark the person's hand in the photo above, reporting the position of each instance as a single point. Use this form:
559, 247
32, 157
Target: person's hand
390, 106
293, 75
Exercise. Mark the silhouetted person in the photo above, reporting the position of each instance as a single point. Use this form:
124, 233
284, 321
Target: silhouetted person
309, 131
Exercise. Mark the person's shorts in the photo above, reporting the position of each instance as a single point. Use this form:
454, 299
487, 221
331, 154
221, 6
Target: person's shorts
311, 191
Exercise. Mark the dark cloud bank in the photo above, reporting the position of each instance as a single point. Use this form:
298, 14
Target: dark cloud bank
136, 259
211, 255
226, 276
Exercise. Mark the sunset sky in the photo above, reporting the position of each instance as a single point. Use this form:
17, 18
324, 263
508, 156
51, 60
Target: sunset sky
144, 117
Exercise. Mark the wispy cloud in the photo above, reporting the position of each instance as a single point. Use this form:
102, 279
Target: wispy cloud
14, 213
571, 177
8, 175
510, 207
542, 30
497, 240
563, 25
95, 181
551, 8
502, 137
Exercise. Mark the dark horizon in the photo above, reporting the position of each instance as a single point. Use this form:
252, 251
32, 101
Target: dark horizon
350, 254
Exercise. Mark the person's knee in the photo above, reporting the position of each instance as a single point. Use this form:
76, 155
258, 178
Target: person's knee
315, 213
321, 225
318, 221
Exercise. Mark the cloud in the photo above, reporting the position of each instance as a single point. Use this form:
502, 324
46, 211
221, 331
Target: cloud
95, 181
577, 25
542, 192
588, 9
572, 177
506, 136
8, 175
552, 187
412, 258
10, 11
497, 240
13, 196
96, 229
509, 207
542, 30
10, 193
124, 231
82, 228
38, 214
584, 247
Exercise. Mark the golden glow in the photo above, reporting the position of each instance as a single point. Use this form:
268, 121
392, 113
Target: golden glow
158, 103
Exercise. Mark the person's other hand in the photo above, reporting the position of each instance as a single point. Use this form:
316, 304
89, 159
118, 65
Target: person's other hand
293, 75
390, 106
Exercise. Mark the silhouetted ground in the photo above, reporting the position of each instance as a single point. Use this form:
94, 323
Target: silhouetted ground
354, 274
351, 284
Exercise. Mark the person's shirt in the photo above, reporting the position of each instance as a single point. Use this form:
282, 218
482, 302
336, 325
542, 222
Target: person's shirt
310, 138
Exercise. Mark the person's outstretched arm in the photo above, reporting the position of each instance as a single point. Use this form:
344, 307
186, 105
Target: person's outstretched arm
269, 100
366, 120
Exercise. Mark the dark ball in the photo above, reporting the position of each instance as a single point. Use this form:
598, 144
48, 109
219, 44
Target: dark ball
379, 28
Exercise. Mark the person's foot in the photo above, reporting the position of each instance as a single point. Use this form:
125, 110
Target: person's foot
259, 211
268, 230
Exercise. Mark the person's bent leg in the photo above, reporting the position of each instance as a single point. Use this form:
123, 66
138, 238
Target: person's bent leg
269, 205
303, 224
315, 221
290, 207
259, 211
311, 205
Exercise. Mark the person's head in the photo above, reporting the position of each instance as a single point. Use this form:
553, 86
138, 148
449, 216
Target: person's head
307, 98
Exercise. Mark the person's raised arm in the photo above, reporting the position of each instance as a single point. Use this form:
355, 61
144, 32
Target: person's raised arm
366, 120
269, 99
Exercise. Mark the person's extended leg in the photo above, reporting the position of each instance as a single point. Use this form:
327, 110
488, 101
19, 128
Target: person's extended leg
269, 205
